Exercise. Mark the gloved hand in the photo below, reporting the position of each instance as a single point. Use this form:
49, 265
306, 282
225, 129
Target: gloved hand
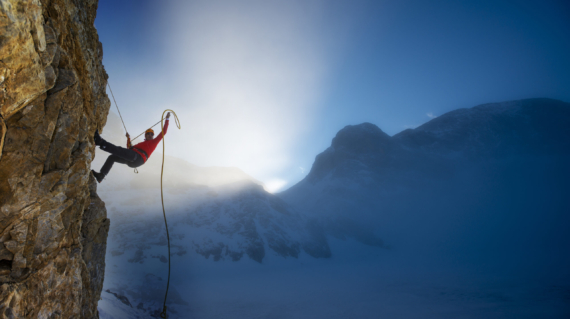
168, 115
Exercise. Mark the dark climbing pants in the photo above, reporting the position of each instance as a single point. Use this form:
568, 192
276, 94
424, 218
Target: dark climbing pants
119, 155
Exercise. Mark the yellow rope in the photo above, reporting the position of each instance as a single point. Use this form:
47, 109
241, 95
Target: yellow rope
163, 314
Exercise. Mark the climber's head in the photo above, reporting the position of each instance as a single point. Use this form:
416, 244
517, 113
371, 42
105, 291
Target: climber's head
149, 134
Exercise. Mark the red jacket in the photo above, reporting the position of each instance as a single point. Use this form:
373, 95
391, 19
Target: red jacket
148, 146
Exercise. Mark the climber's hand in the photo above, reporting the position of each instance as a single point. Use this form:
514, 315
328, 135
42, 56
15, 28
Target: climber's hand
168, 115
128, 136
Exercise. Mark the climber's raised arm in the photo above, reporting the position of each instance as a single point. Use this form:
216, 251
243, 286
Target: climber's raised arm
165, 128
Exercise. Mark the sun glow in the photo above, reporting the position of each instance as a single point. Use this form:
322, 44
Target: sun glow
247, 79
274, 185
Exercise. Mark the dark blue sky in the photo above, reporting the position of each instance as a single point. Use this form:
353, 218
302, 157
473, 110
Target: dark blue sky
265, 85
454, 54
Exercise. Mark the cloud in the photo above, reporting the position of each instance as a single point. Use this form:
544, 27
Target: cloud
245, 78
430, 115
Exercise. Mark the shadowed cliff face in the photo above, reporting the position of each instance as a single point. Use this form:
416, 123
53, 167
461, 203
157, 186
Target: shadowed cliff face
53, 226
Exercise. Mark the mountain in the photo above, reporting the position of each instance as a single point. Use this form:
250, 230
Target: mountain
490, 131
524, 127
437, 213
237, 226
227, 222
472, 183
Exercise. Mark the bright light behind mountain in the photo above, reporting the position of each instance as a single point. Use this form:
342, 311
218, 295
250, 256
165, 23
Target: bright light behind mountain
248, 78
274, 185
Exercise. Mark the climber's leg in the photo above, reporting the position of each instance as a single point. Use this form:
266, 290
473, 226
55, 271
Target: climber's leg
112, 159
124, 153
98, 176
118, 155
97, 138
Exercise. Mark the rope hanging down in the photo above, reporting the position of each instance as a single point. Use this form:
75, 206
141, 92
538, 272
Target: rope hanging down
163, 313
117, 106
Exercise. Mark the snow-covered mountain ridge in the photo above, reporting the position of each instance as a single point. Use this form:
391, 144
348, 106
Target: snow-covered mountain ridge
367, 185
533, 126
496, 129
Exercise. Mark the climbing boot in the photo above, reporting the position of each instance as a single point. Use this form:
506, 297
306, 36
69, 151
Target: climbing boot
98, 176
97, 138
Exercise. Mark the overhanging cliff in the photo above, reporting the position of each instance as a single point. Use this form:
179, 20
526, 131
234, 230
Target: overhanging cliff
53, 226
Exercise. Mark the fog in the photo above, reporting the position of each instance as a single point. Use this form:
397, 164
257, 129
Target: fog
373, 229
245, 79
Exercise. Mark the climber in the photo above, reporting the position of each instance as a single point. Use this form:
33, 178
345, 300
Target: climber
133, 156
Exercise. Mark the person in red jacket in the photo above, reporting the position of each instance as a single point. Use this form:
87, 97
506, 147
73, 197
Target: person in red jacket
133, 156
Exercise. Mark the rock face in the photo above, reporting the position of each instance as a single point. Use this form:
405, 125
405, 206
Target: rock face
53, 227
94, 231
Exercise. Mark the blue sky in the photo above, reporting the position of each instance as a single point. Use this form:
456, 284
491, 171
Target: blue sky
265, 85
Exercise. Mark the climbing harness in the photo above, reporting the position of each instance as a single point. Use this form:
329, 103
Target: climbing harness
163, 313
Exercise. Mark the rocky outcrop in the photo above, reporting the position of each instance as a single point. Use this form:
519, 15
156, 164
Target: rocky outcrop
53, 227
94, 231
